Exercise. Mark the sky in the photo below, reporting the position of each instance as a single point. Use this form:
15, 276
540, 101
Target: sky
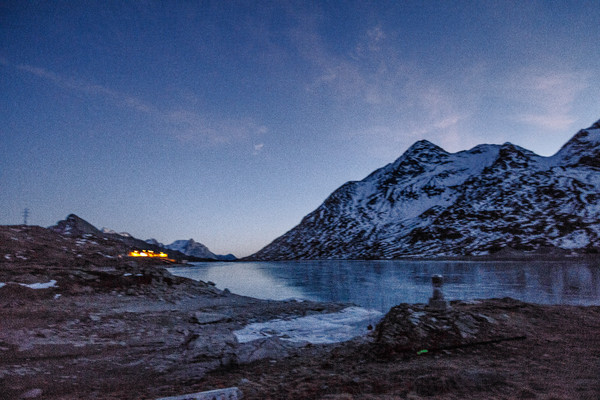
229, 121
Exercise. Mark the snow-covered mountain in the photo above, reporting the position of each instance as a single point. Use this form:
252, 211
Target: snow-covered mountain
433, 203
191, 248
154, 242
195, 249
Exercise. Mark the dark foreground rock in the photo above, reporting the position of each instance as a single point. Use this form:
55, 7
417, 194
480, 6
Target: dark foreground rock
153, 343
78, 321
415, 328
556, 356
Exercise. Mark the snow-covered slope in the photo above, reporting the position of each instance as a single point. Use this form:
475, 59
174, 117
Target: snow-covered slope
191, 248
433, 203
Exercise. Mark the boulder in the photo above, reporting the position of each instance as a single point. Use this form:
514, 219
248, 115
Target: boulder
415, 327
269, 348
203, 318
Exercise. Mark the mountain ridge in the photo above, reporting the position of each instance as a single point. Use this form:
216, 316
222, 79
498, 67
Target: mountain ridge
431, 203
74, 225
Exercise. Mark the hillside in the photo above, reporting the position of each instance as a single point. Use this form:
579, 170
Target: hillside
74, 226
433, 203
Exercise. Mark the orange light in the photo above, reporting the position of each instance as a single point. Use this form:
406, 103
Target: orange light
147, 253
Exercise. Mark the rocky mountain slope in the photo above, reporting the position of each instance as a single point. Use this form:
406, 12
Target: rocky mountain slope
433, 203
74, 226
106, 326
190, 249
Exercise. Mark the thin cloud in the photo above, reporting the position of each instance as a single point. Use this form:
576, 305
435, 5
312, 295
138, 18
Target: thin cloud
404, 104
548, 97
258, 148
117, 97
372, 41
185, 126
400, 98
562, 121
338, 74
197, 129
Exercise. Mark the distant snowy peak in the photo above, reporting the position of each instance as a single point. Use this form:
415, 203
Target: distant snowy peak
430, 202
195, 249
191, 248
154, 242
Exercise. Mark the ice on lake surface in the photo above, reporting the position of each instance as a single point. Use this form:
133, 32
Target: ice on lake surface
381, 285
376, 286
317, 329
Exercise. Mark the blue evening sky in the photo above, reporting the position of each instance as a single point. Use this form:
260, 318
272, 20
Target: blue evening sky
227, 121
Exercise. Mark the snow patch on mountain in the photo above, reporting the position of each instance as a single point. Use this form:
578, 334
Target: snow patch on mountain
113, 232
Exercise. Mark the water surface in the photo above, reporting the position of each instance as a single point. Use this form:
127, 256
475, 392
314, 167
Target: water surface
383, 284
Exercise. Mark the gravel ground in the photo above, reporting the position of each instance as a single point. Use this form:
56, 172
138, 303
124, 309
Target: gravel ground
113, 328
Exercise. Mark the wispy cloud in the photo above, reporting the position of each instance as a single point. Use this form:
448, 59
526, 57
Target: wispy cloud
403, 103
372, 41
342, 75
186, 126
446, 98
197, 129
548, 97
120, 99
258, 148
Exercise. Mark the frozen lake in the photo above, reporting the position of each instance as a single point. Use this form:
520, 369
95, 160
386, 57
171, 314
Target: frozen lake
382, 284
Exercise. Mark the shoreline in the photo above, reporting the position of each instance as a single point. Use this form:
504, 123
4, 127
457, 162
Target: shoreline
170, 339
81, 323
516, 256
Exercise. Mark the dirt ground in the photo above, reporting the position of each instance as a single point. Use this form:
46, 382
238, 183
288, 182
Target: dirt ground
112, 328
559, 358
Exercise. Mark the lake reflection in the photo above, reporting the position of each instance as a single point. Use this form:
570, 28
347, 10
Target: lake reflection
383, 284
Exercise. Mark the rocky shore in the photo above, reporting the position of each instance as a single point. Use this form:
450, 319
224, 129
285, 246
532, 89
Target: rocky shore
79, 320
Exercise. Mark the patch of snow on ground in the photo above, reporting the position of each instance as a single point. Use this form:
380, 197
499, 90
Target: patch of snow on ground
46, 285
2, 284
317, 329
